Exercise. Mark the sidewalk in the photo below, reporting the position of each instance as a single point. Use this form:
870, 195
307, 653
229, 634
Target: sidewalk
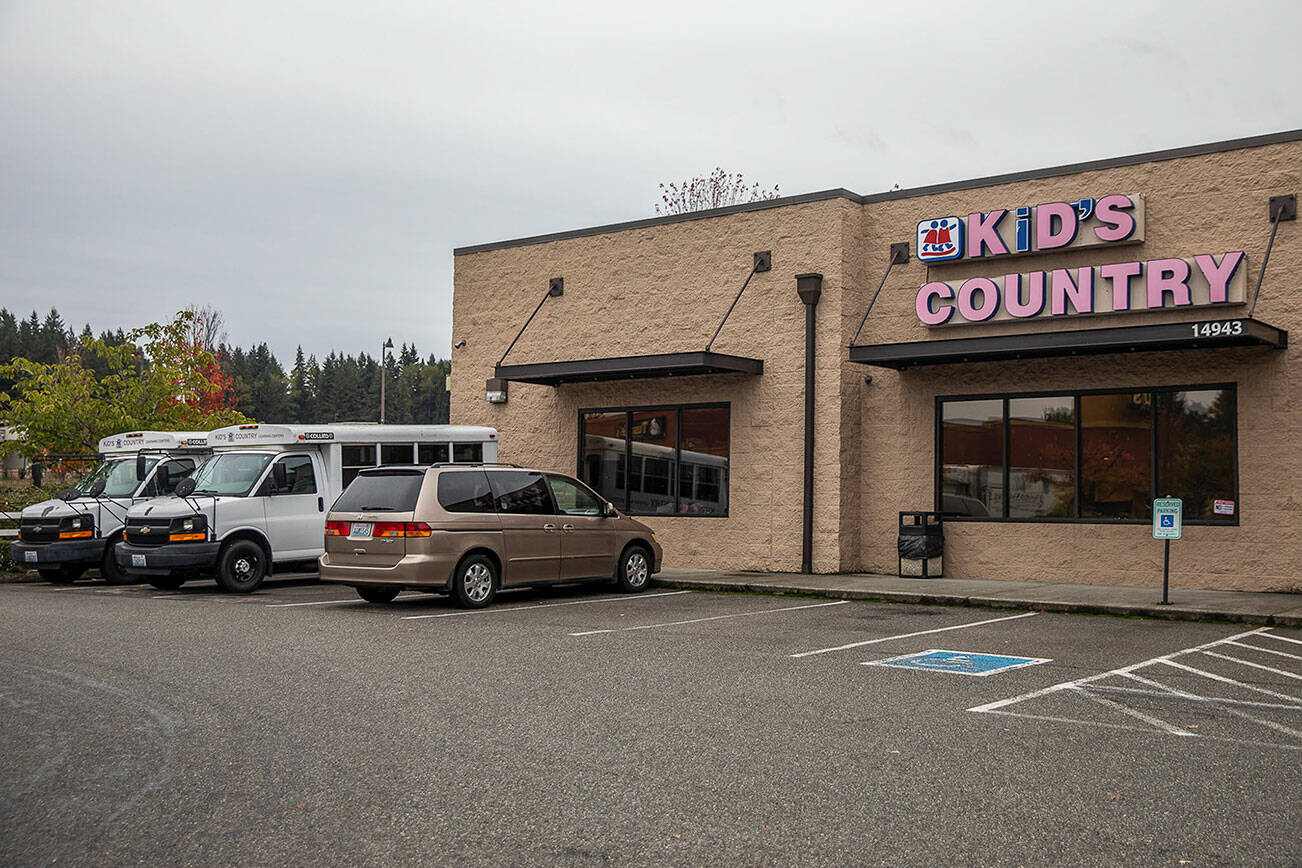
1186, 605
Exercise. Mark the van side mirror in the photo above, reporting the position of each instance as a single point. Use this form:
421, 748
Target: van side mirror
68, 494
163, 479
279, 477
608, 509
141, 470
185, 487
97, 489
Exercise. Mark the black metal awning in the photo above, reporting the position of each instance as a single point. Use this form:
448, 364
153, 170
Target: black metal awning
629, 368
1044, 345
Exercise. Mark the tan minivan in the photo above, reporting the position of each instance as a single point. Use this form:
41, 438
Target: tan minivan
470, 529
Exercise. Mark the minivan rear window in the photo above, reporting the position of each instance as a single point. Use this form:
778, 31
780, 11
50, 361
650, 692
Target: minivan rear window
381, 491
465, 491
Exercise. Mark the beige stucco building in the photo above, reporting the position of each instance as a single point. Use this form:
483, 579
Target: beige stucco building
1055, 349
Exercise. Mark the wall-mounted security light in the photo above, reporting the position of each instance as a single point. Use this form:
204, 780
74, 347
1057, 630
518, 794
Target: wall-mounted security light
459, 345
495, 390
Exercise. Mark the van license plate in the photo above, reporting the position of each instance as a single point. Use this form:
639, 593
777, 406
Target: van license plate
137, 560
361, 530
30, 556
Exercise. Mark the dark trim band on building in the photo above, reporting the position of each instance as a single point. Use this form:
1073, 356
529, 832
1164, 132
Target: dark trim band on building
1084, 342
948, 187
629, 368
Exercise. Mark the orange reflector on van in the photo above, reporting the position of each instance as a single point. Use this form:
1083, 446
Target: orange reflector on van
75, 534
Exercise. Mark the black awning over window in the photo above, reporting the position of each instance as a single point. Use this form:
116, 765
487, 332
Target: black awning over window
629, 368
1043, 345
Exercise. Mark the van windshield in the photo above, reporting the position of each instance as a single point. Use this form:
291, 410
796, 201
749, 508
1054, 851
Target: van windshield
232, 474
119, 476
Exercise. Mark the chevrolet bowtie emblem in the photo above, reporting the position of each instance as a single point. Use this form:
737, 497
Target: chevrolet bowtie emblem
145, 530
37, 528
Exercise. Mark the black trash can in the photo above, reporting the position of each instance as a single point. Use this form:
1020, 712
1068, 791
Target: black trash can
921, 545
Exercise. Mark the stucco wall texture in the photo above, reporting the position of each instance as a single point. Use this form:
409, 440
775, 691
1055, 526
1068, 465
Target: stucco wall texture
664, 288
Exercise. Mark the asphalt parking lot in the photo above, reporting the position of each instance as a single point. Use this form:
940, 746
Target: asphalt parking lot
582, 726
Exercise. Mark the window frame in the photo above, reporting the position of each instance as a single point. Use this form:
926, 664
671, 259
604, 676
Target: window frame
678, 410
1075, 395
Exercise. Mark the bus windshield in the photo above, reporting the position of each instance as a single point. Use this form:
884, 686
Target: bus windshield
232, 474
119, 476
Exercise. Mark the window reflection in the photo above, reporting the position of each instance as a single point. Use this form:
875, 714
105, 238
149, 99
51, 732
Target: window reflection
1116, 455
602, 467
703, 468
1195, 448
972, 462
1042, 457
653, 472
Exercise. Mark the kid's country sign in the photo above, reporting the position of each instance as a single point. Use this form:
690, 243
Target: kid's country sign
1152, 284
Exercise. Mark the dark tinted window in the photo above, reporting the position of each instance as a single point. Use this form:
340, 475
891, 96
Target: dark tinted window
467, 452
395, 453
1195, 451
431, 453
1116, 455
972, 458
381, 491
521, 492
703, 467
1042, 457
465, 491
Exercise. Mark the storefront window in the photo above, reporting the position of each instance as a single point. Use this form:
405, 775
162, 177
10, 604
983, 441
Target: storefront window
1042, 457
972, 466
658, 461
1091, 456
1116, 455
1195, 448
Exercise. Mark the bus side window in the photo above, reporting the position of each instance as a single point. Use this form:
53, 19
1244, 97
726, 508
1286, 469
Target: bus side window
431, 453
467, 452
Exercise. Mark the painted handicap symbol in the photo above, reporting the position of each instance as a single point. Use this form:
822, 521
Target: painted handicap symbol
958, 662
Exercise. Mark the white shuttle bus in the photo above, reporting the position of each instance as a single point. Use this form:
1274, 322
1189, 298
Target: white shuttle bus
62, 538
260, 500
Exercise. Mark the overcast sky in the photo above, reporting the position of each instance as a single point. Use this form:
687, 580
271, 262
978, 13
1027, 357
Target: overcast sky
307, 168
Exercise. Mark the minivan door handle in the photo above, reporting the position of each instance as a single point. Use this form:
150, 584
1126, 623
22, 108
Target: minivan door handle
568, 528
549, 528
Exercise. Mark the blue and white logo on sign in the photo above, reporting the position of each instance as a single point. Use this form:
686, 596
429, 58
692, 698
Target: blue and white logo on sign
1167, 520
1167, 517
939, 239
958, 662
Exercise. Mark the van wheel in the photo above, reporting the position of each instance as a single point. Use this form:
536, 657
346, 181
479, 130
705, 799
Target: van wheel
62, 575
377, 594
634, 570
474, 584
110, 571
241, 567
167, 583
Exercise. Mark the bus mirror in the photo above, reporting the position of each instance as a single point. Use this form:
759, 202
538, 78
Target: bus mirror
163, 479
67, 494
185, 487
97, 489
279, 477
140, 467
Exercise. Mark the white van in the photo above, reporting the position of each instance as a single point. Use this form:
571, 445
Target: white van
261, 499
62, 538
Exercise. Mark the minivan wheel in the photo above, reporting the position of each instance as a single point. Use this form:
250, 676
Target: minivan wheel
169, 582
241, 567
474, 585
634, 570
111, 571
377, 593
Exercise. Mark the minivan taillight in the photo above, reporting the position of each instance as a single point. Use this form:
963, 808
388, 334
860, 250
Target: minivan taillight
336, 528
417, 528
393, 529
388, 528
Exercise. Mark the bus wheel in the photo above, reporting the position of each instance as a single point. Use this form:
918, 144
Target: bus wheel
241, 567
112, 573
62, 575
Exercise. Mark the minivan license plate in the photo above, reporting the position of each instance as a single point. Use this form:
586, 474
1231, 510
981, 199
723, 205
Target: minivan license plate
30, 555
361, 530
137, 560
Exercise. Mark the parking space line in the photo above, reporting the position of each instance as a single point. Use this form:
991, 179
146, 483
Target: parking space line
1110, 725
1254, 665
348, 602
629, 597
1266, 650
911, 635
1224, 705
1192, 697
712, 618
1269, 635
1168, 728
1214, 677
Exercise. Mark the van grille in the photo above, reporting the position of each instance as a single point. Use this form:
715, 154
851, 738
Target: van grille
147, 532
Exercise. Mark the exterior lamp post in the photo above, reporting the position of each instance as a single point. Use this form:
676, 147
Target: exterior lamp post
387, 345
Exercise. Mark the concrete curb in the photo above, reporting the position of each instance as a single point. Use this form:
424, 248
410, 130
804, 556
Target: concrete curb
1170, 613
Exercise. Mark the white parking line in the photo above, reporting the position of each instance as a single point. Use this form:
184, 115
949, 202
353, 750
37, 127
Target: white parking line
1266, 650
1138, 715
348, 602
1254, 665
1214, 677
713, 618
627, 597
910, 635
1223, 704
1281, 638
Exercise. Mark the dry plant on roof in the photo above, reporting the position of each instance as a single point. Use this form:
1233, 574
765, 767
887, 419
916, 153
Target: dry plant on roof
718, 190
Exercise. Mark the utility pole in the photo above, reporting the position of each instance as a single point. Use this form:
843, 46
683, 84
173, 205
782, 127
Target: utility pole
387, 345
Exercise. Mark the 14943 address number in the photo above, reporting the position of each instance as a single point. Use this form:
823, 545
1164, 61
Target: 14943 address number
1218, 329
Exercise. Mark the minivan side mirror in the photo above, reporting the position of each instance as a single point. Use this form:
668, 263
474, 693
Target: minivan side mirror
608, 509
279, 477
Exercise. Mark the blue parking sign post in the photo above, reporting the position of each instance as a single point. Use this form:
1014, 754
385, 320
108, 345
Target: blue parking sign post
1167, 525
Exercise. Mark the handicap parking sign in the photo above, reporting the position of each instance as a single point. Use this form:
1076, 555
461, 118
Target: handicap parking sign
1167, 520
958, 662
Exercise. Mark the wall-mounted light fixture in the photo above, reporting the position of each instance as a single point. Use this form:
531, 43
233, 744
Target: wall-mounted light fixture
459, 345
495, 390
